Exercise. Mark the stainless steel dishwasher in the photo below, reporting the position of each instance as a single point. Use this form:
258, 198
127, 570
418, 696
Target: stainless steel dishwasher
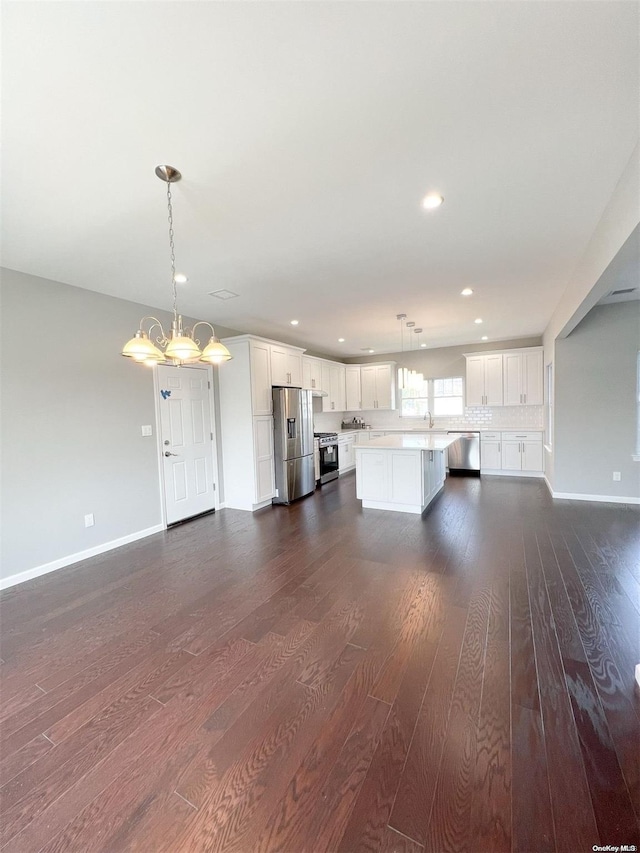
464, 455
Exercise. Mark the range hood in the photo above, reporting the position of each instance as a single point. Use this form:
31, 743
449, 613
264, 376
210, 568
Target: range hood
315, 393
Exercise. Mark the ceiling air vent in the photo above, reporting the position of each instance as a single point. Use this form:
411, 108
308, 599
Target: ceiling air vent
623, 290
223, 294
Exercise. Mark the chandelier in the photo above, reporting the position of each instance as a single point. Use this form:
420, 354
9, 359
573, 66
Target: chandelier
181, 345
408, 380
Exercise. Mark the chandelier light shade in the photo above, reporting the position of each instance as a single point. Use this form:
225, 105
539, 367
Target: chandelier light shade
180, 346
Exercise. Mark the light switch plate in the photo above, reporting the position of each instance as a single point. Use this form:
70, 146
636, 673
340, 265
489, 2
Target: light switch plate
147, 430
89, 520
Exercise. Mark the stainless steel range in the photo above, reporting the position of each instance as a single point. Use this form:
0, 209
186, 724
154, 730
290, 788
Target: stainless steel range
328, 448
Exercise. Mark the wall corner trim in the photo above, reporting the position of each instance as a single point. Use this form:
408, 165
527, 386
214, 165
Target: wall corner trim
70, 559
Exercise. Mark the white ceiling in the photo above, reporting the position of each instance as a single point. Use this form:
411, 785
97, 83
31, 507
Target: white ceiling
307, 134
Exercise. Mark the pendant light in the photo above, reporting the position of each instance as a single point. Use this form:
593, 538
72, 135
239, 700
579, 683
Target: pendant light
181, 346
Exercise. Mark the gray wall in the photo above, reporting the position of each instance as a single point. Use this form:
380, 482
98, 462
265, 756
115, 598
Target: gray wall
595, 402
71, 417
443, 361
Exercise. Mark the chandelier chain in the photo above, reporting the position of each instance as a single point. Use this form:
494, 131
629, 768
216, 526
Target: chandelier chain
173, 253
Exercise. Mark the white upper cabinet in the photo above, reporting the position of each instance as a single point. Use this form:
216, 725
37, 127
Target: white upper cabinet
509, 378
484, 380
286, 366
523, 378
352, 388
311, 373
378, 387
333, 379
532, 378
260, 356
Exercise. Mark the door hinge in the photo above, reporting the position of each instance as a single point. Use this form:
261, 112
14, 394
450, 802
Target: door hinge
208, 384
214, 487
211, 436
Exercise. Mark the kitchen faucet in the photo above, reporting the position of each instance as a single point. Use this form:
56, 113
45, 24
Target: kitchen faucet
430, 419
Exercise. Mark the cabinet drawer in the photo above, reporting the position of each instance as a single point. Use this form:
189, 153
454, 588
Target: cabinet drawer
522, 436
490, 436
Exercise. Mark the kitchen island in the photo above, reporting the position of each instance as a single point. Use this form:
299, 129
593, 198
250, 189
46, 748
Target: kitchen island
403, 473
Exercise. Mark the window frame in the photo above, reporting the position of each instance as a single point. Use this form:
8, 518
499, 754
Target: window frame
430, 398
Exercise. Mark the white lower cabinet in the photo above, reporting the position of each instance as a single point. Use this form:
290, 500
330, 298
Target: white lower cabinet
399, 480
491, 450
263, 456
346, 453
512, 453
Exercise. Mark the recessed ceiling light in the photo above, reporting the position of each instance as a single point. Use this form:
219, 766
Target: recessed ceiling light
478, 320
294, 322
432, 200
423, 346
180, 278
340, 340
371, 350
484, 338
466, 292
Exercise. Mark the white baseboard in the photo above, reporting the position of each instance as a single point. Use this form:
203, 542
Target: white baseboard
62, 562
577, 496
498, 472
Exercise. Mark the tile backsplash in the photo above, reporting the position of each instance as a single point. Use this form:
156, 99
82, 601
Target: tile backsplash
479, 417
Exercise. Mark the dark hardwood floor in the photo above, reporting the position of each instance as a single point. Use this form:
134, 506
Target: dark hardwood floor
319, 678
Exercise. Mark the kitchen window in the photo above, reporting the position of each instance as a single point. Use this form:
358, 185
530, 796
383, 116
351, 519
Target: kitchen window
442, 397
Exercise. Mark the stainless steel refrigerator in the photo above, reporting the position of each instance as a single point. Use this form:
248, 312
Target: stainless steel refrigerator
293, 438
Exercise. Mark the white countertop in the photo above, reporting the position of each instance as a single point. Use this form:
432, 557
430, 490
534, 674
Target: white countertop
441, 430
404, 441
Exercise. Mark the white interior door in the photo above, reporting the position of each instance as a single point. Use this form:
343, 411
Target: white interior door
186, 441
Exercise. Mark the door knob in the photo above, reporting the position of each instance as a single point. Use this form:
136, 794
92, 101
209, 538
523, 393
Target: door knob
168, 453
167, 442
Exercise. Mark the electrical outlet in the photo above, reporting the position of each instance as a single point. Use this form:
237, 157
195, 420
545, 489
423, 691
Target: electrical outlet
146, 430
89, 520
616, 476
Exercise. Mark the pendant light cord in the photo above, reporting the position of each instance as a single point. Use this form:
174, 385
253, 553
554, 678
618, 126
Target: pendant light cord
173, 255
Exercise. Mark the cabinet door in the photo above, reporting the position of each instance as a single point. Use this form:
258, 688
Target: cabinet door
384, 387
263, 455
352, 383
405, 477
338, 395
371, 476
490, 456
326, 386
316, 376
368, 388
511, 458
532, 380
278, 366
474, 386
532, 456
428, 476
346, 454
493, 380
294, 369
261, 378
512, 367
307, 379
